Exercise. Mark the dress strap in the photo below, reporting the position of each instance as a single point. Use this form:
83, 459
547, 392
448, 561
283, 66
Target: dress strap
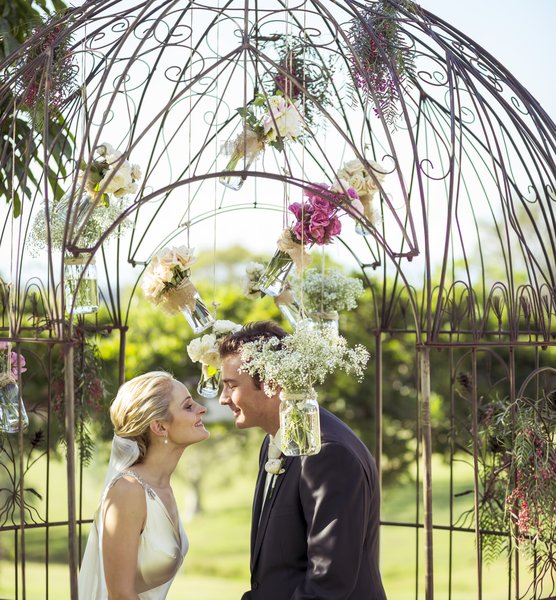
138, 478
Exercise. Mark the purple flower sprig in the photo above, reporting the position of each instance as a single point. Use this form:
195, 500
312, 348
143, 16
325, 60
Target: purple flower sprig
17, 361
316, 217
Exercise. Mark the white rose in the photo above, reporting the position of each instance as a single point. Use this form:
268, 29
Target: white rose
200, 347
350, 168
184, 255
274, 466
136, 172
211, 358
105, 149
222, 327
152, 286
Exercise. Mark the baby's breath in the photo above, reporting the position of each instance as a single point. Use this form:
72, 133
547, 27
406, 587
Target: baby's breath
301, 360
328, 291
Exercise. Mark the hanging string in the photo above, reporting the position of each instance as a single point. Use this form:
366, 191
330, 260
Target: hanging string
215, 180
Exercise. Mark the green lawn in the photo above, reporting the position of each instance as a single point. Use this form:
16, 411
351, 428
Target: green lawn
216, 567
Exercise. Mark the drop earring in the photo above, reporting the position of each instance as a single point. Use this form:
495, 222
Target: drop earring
166, 439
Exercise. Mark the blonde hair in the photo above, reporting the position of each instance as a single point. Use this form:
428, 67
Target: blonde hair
139, 402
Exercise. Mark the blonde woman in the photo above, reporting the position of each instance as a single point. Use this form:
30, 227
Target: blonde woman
137, 542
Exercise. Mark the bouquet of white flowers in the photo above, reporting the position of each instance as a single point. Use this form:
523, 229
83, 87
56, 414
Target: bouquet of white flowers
294, 364
95, 203
205, 351
281, 120
166, 284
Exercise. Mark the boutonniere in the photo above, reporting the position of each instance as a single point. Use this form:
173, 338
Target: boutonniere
275, 460
274, 465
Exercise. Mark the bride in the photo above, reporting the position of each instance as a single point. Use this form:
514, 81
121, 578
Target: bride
137, 541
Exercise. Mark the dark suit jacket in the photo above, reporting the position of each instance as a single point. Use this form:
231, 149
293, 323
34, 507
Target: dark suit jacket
317, 535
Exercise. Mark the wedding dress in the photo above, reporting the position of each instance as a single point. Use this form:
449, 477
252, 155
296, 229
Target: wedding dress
162, 548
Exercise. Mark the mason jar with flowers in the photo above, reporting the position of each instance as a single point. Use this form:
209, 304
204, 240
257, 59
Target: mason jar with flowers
324, 293
93, 204
292, 366
269, 120
204, 350
13, 415
166, 283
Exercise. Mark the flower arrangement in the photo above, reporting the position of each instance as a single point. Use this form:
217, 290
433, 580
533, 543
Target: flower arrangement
316, 222
300, 360
517, 462
205, 351
365, 179
279, 122
166, 284
253, 272
293, 365
381, 60
12, 410
303, 75
97, 201
328, 291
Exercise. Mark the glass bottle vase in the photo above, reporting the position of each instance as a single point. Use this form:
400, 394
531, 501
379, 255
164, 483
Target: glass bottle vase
299, 423
209, 383
12, 410
238, 161
274, 277
199, 318
80, 284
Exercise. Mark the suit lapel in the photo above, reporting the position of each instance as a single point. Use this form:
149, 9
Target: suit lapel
258, 497
262, 524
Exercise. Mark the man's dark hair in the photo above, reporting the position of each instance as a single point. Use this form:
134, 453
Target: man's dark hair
250, 332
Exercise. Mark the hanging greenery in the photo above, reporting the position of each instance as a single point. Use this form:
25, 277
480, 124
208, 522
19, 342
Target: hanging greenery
518, 475
382, 61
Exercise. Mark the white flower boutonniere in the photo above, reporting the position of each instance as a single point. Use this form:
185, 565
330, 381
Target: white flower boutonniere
274, 464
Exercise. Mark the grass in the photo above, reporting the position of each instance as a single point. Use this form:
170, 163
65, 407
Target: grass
217, 565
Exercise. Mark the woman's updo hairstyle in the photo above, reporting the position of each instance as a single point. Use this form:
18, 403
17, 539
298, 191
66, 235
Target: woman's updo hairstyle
139, 402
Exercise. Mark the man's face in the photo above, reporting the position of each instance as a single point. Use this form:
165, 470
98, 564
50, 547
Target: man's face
251, 406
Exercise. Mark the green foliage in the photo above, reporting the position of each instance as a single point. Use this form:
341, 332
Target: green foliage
23, 134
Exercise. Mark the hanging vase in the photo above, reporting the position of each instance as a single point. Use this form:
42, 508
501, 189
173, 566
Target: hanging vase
242, 153
195, 311
209, 384
273, 279
324, 320
13, 415
299, 423
80, 284
362, 229
289, 307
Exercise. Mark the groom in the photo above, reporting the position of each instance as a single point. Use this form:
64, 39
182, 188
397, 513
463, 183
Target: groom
315, 519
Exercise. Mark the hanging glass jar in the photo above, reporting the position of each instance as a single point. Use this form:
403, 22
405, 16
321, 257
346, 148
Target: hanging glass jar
13, 415
289, 307
299, 423
273, 279
80, 284
325, 320
240, 153
194, 310
209, 384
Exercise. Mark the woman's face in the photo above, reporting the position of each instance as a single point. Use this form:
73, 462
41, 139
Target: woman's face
186, 426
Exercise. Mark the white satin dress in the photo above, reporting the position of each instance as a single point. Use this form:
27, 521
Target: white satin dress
162, 548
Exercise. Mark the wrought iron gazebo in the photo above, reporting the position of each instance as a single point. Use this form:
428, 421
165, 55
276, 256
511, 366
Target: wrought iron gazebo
458, 242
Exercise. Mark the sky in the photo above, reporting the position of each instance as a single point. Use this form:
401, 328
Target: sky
520, 35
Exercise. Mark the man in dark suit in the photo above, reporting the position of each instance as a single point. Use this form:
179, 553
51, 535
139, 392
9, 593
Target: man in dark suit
315, 520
